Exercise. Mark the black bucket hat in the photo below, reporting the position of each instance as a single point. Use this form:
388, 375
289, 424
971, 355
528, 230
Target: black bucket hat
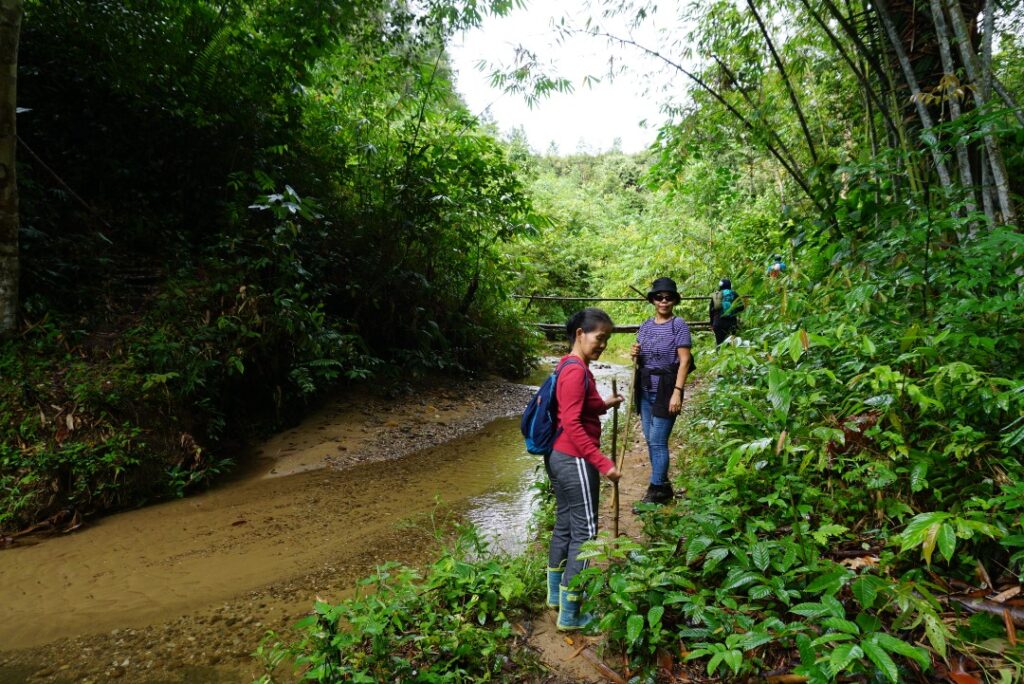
725, 284
663, 285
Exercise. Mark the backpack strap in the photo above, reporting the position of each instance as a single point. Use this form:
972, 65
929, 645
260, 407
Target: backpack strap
586, 376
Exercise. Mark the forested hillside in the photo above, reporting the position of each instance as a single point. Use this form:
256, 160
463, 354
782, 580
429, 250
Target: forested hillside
226, 209
229, 207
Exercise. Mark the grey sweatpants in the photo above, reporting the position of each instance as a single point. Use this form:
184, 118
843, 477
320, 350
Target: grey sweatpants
576, 485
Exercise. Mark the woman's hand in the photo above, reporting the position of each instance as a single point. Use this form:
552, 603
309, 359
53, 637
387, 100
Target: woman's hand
634, 351
675, 404
614, 400
614, 474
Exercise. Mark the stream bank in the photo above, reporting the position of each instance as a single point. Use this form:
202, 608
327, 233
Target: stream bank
183, 591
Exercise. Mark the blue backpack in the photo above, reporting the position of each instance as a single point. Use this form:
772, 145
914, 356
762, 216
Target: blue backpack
539, 424
728, 297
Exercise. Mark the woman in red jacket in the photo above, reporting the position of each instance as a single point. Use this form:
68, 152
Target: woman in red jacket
576, 460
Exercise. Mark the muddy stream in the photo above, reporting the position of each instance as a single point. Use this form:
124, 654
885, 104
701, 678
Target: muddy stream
183, 591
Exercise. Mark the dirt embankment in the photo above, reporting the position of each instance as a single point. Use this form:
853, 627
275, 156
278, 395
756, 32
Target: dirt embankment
184, 591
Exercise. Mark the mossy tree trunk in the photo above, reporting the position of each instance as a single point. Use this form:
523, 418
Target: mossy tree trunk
10, 26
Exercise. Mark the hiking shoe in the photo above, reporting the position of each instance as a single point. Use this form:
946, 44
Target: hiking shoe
656, 495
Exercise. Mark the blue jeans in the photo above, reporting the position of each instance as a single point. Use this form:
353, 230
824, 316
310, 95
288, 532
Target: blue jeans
656, 432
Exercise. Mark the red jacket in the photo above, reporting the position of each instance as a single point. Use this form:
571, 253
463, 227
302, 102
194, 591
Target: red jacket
579, 416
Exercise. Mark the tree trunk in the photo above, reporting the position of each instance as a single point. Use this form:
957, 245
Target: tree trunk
949, 67
915, 93
975, 72
1008, 100
10, 28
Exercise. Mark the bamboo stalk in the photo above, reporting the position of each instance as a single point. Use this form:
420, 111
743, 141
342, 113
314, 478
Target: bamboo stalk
976, 73
785, 80
949, 69
915, 91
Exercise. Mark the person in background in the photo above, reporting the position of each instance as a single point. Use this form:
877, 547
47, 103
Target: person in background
662, 352
725, 304
778, 266
576, 461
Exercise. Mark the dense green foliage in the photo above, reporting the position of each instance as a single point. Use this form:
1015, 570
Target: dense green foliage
452, 623
229, 208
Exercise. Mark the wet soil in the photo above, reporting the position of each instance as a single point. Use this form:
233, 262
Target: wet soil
184, 591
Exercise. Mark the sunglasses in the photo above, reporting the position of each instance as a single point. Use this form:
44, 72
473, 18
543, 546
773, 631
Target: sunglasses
661, 297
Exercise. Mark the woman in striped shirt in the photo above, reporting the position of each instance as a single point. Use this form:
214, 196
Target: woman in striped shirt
663, 359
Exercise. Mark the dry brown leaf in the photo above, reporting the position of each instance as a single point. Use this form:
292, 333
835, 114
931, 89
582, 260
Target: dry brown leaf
781, 442
983, 575
1008, 594
860, 562
1011, 630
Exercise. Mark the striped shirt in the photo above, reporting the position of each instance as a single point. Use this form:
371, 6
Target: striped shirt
659, 342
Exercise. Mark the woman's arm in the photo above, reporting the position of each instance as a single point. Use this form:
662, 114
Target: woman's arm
571, 393
675, 404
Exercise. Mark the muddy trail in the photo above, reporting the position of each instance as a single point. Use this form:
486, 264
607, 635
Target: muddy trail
185, 590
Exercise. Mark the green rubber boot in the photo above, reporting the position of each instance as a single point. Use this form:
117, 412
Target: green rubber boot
569, 618
554, 581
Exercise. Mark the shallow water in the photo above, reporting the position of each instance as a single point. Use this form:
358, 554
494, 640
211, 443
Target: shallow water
172, 559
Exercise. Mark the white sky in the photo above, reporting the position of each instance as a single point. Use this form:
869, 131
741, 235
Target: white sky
591, 116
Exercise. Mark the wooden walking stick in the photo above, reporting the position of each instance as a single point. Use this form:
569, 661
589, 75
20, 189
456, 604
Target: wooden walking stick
615, 448
619, 461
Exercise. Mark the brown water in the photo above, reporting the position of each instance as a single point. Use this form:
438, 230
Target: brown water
180, 558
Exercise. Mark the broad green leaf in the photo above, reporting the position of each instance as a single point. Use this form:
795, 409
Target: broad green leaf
740, 579
877, 655
734, 659
714, 557
842, 656
696, 547
865, 591
898, 646
928, 545
760, 555
917, 529
828, 583
936, 633
868, 622
654, 616
919, 476
841, 625
715, 660
946, 541
803, 644
810, 610
634, 627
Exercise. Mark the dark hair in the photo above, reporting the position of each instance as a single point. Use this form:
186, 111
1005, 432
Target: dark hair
587, 319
